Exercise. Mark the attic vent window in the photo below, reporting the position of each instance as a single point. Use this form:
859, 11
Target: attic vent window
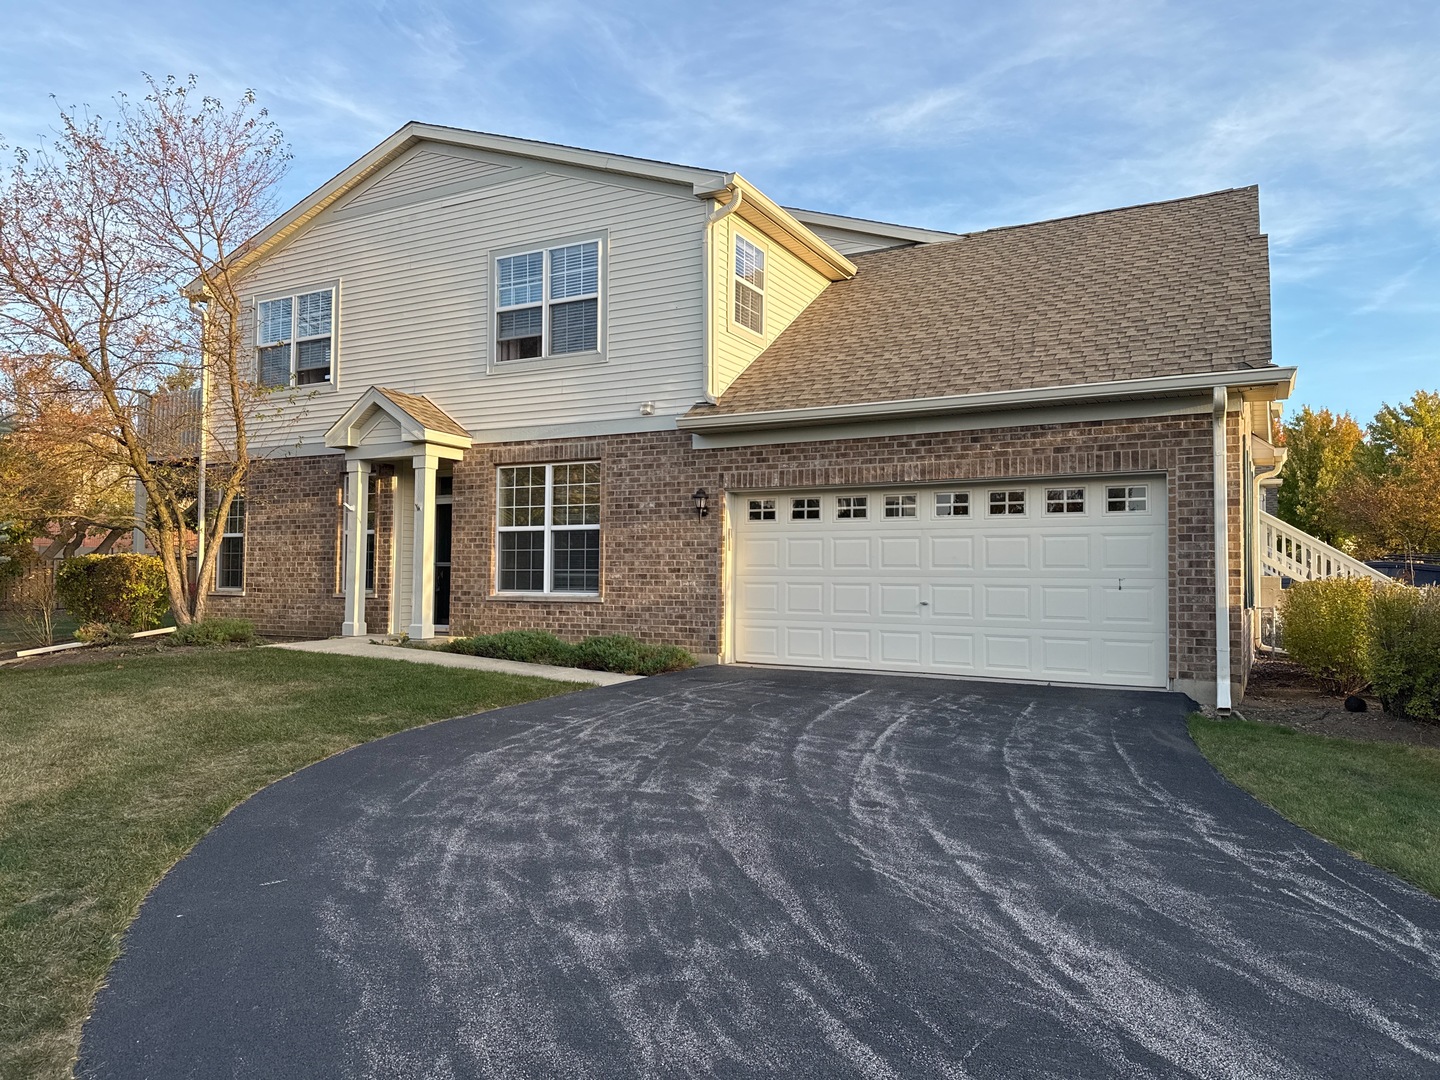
548, 302
293, 336
749, 285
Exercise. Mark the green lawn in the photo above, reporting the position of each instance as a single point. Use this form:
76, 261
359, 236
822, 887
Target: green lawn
111, 770
1378, 801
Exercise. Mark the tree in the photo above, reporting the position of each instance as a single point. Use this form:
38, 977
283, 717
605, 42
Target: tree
120, 249
1322, 449
1393, 500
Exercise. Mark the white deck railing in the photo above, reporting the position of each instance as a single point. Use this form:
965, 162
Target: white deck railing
1294, 553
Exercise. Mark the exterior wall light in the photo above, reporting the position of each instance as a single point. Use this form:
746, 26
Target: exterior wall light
702, 501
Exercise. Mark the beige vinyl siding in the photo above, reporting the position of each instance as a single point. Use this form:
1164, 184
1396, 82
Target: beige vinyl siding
790, 286
419, 171
415, 295
853, 242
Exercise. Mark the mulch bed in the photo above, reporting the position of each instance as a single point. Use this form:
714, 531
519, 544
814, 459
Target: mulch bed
1279, 692
101, 653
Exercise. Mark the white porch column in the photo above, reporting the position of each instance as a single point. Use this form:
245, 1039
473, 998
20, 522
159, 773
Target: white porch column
357, 491
422, 595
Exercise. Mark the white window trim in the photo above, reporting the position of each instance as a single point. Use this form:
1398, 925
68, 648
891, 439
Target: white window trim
736, 281
496, 366
233, 590
857, 502
966, 501
549, 528
1065, 489
333, 287
1148, 497
913, 506
752, 510
371, 536
1025, 501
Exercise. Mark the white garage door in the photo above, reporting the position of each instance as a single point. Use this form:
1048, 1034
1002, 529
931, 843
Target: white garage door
1055, 581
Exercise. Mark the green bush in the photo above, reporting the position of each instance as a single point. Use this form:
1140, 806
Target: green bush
1326, 627
1405, 660
610, 653
98, 633
217, 631
523, 646
127, 590
630, 657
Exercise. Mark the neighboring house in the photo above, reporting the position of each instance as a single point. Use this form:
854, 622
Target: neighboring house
542, 387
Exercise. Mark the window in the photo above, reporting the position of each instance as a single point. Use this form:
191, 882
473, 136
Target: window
804, 509
293, 336
549, 528
1130, 498
1007, 502
852, 507
749, 285
762, 510
952, 504
340, 564
1064, 500
230, 565
548, 302
900, 506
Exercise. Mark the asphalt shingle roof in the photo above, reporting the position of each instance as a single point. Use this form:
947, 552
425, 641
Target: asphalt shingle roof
1167, 288
425, 411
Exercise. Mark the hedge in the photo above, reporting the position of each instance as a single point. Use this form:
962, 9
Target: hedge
1326, 624
1405, 664
118, 590
613, 652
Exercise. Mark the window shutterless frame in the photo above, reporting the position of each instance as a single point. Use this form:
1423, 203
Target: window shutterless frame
747, 284
548, 529
230, 561
549, 301
297, 334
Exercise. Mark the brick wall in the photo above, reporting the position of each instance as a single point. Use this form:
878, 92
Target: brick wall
661, 564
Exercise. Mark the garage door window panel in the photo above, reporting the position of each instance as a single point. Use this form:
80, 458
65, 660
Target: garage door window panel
901, 506
1068, 500
1007, 503
1127, 499
852, 508
804, 509
761, 510
952, 504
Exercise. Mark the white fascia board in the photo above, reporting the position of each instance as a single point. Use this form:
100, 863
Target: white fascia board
765, 214
872, 228
1277, 382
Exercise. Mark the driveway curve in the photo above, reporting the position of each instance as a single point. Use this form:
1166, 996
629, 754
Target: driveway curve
737, 873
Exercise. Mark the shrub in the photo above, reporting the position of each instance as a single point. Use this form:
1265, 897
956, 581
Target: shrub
630, 657
217, 631
1327, 630
610, 653
98, 633
523, 646
127, 590
1405, 658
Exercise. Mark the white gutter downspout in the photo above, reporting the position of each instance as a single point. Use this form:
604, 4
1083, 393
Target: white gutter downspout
1222, 556
708, 344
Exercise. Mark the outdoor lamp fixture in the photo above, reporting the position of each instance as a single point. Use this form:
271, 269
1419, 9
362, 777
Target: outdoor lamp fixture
702, 502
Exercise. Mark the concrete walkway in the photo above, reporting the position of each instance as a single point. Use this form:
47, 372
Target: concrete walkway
340, 646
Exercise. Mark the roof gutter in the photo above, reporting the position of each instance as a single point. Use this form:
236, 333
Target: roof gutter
1220, 404
1272, 383
775, 221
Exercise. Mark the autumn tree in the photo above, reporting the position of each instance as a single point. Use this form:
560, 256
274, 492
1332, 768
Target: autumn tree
119, 242
1392, 502
1321, 461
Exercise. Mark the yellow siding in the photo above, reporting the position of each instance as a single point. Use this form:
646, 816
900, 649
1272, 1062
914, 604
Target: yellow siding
790, 286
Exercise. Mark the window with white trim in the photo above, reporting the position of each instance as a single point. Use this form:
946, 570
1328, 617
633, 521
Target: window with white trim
230, 561
805, 509
342, 534
1065, 500
1007, 502
749, 285
549, 528
1127, 499
952, 504
293, 338
900, 506
548, 302
852, 507
762, 510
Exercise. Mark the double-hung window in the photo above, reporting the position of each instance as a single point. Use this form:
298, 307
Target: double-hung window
294, 336
749, 285
230, 564
549, 528
548, 302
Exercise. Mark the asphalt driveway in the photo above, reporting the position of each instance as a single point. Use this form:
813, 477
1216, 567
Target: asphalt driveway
741, 873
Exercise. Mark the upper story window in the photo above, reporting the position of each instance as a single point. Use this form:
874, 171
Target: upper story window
749, 285
548, 302
293, 338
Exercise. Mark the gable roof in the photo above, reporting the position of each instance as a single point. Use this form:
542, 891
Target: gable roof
1165, 289
419, 419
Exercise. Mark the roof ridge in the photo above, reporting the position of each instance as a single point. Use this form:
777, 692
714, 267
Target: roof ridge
562, 146
1100, 213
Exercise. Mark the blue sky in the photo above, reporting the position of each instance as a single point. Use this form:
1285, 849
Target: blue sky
955, 116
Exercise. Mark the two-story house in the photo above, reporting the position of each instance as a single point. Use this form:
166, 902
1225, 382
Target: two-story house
522, 385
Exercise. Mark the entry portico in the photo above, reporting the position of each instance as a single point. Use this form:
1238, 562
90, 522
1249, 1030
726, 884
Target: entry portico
415, 435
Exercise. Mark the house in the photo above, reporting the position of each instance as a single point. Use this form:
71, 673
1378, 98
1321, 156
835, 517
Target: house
522, 385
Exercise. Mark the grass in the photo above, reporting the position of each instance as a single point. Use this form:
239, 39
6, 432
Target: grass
1378, 801
110, 771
